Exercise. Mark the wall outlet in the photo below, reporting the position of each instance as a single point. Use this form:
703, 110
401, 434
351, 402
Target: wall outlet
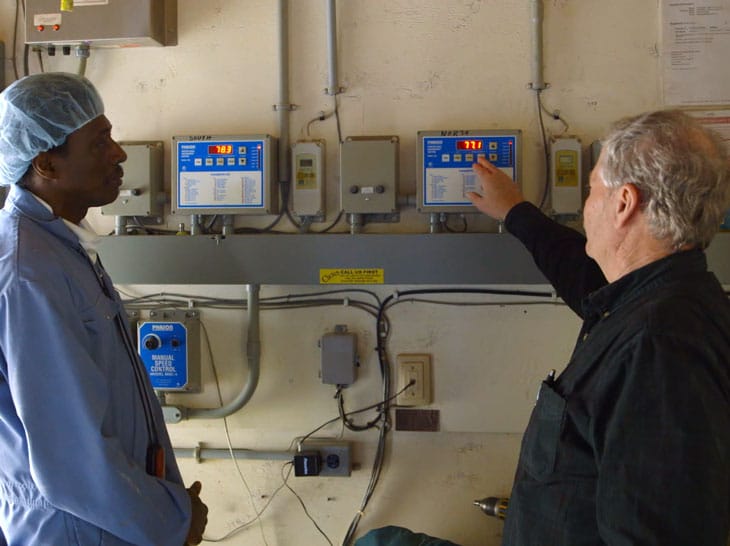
417, 368
334, 456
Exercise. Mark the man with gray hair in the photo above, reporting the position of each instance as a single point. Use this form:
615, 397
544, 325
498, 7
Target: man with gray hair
85, 456
630, 444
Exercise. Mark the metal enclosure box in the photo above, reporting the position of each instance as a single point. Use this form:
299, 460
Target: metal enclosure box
224, 174
444, 162
102, 23
308, 187
339, 357
142, 181
566, 175
169, 346
369, 175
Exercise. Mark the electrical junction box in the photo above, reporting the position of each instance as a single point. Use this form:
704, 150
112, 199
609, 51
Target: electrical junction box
566, 176
308, 189
142, 181
333, 457
101, 23
169, 346
369, 175
444, 164
224, 174
339, 357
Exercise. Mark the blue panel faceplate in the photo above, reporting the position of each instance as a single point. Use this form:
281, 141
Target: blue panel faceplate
163, 348
220, 174
448, 160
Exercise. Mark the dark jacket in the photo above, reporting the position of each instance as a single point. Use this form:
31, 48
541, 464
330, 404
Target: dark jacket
630, 444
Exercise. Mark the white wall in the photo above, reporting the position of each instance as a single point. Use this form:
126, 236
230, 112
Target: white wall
407, 65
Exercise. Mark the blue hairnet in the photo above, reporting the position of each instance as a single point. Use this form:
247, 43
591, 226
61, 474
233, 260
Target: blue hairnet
37, 113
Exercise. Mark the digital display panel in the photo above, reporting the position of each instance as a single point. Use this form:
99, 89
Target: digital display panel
220, 149
469, 144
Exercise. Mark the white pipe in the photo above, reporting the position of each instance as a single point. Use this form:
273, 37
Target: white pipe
253, 353
538, 83
284, 108
332, 85
203, 453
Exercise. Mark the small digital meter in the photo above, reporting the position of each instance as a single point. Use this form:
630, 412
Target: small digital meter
224, 174
445, 160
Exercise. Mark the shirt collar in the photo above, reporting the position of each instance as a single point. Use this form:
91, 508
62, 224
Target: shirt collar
88, 238
646, 278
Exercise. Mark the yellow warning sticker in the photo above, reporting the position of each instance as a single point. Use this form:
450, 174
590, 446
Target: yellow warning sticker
352, 276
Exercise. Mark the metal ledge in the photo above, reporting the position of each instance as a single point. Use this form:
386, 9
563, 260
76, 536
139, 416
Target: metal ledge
433, 259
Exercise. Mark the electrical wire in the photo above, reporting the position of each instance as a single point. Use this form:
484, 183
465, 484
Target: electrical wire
337, 118
228, 435
382, 418
304, 507
464, 228
14, 56
546, 151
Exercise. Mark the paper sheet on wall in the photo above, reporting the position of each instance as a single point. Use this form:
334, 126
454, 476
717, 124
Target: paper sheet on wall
718, 121
695, 46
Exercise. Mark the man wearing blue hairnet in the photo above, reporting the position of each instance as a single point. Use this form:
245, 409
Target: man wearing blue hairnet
85, 457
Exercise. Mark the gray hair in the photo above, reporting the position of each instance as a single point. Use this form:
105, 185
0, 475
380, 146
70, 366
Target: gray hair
680, 169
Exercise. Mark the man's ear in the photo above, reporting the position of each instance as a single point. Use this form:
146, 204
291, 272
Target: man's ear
43, 166
627, 204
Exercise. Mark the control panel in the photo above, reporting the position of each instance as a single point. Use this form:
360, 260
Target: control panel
169, 346
566, 175
101, 23
308, 199
224, 174
444, 163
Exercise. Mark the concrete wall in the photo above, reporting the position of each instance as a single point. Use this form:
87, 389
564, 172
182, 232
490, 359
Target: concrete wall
406, 65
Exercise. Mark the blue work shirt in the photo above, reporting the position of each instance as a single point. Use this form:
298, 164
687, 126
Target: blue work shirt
74, 431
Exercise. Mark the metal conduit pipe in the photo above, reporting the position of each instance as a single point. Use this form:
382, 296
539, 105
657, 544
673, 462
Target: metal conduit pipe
283, 107
203, 453
253, 354
538, 83
120, 225
333, 86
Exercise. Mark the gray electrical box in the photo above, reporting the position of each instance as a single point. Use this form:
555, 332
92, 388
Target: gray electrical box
102, 23
369, 175
339, 357
142, 181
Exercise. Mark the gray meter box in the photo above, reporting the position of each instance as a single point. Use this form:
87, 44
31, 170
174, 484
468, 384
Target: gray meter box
102, 23
369, 175
339, 357
142, 181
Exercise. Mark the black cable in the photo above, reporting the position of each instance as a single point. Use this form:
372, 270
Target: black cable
14, 56
304, 507
545, 149
337, 119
